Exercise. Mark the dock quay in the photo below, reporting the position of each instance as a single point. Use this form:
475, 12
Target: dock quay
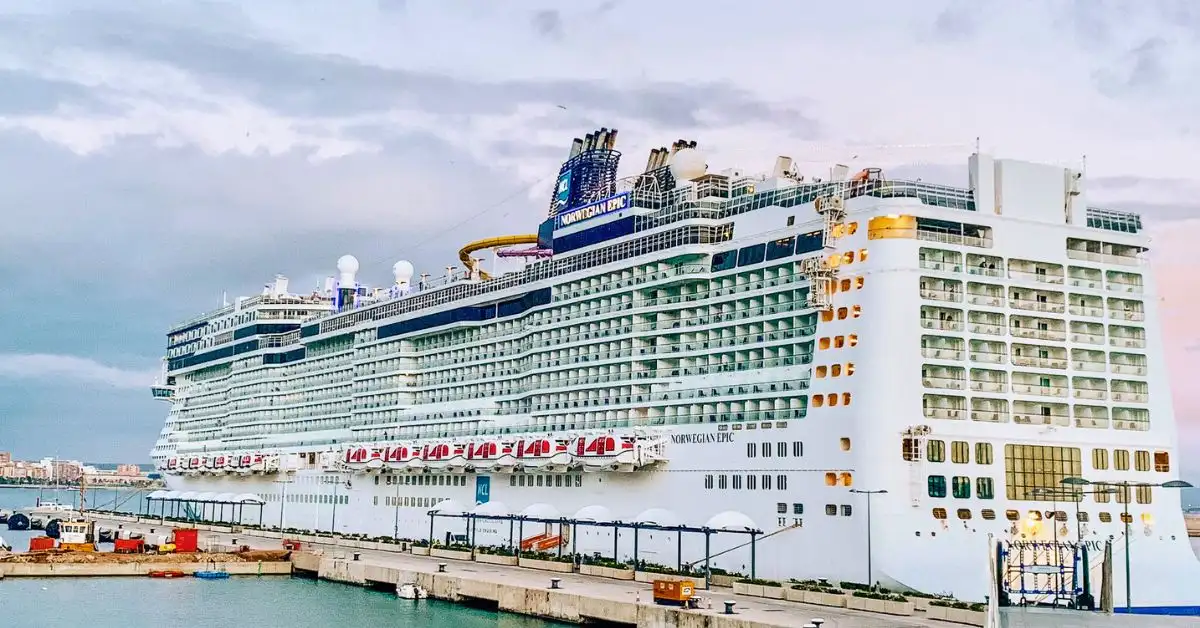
586, 599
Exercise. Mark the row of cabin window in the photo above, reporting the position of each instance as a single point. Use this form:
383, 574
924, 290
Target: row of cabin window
935, 451
751, 483
780, 449
842, 313
830, 509
1014, 515
835, 370
985, 488
833, 399
425, 480
555, 480
847, 258
838, 342
1141, 460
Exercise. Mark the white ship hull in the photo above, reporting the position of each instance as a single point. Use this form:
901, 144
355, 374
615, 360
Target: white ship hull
755, 365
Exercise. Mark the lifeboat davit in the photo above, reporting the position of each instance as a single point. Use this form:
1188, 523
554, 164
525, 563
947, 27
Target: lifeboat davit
457, 462
545, 454
607, 452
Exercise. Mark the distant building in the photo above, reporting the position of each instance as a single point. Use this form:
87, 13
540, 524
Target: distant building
128, 470
5, 459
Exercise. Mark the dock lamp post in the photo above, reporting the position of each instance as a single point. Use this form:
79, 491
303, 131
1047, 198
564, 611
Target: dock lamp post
282, 497
1125, 487
870, 573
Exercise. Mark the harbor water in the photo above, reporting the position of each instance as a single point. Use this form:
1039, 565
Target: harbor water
248, 601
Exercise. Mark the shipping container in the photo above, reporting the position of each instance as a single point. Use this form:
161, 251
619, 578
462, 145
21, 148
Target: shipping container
187, 540
40, 543
129, 546
674, 592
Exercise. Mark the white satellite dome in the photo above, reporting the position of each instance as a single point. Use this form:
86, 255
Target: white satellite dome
347, 266
688, 164
402, 271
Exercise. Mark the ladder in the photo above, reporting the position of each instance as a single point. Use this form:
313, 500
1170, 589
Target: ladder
821, 276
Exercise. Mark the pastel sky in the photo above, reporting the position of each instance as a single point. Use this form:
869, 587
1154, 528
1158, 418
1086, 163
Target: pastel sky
157, 153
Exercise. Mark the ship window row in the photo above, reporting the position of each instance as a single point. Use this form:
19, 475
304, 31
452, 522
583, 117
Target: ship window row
1035, 516
310, 498
1143, 460
834, 370
780, 449
961, 487
1021, 412
935, 451
782, 508
410, 501
556, 480
950, 261
838, 342
1034, 384
832, 510
841, 313
423, 480
750, 482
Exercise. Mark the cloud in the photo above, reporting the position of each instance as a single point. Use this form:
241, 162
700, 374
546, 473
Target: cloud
84, 370
548, 23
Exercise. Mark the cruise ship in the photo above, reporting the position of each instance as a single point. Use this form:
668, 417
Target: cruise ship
885, 380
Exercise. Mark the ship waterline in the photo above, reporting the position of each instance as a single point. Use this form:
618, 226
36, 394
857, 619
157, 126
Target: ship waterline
730, 352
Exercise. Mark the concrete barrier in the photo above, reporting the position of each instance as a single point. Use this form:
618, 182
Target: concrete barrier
76, 570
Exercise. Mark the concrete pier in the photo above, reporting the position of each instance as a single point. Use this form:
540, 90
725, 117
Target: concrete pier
81, 570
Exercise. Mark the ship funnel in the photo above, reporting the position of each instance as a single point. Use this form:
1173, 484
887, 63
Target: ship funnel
576, 147
612, 140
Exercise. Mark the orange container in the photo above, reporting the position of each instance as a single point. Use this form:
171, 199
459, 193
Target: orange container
41, 543
673, 591
187, 540
129, 546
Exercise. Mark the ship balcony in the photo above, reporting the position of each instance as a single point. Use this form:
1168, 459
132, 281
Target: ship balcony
1126, 391
1086, 305
947, 377
944, 407
942, 347
987, 380
1083, 277
1087, 333
1036, 300
1039, 356
1134, 419
985, 265
937, 289
1088, 360
1126, 310
1120, 281
940, 260
1091, 416
1103, 252
989, 410
1040, 385
988, 351
1038, 328
1094, 388
985, 294
945, 319
1026, 270
1128, 363
985, 323
1035, 413
1125, 337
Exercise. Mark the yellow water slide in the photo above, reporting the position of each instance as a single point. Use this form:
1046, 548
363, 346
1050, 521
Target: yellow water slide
464, 254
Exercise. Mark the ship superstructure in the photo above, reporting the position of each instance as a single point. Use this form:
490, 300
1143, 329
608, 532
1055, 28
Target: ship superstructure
722, 350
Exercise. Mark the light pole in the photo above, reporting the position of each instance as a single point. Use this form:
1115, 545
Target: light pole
282, 497
1125, 487
870, 573
396, 512
335, 481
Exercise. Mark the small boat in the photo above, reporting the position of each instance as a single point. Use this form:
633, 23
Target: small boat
4, 516
170, 573
4, 547
209, 574
409, 591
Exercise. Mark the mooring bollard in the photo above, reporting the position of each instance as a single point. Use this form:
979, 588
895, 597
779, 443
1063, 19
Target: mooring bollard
817, 621
442, 567
357, 555
728, 607
554, 582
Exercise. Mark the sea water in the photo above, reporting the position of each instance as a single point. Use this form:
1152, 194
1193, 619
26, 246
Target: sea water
264, 602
